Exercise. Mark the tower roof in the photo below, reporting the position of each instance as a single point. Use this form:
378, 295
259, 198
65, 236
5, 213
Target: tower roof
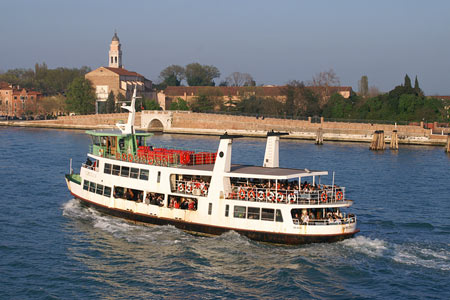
115, 37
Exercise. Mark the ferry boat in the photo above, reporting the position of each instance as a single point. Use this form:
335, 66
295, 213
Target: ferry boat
203, 192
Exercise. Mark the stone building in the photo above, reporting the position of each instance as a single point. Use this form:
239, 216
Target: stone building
17, 102
235, 94
117, 79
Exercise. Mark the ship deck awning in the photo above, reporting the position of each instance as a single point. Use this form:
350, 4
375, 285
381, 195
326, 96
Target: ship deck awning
245, 171
114, 132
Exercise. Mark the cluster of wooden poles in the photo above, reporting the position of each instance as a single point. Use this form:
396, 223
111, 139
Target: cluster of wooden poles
378, 140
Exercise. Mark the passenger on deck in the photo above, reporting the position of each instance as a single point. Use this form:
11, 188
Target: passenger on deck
88, 162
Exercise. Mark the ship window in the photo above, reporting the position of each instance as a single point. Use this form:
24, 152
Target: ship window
227, 210
209, 208
116, 170
92, 187
267, 214
134, 172
143, 174
278, 216
107, 192
86, 185
125, 171
107, 169
239, 211
159, 177
99, 189
253, 213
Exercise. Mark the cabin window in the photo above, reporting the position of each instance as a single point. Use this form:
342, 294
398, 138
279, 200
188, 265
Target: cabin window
107, 192
134, 173
159, 177
92, 187
253, 213
278, 216
267, 214
128, 194
209, 208
125, 171
99, 189
227, 210
154, 199
107, 169
116, 170
143, 175
96, 140
240, 211
86, 185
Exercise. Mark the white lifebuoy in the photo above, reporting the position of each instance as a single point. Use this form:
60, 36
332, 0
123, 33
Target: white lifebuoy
292, 198
271, 196
188, 188
180, 187
261, 195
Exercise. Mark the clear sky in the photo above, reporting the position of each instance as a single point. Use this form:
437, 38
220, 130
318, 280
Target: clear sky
274, 41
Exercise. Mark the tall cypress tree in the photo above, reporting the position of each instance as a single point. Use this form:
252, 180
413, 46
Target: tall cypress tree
407, 82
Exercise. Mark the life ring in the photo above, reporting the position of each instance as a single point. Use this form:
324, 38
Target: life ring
280, 197
203, 189
180, 187
150, 160
339, 196
117, 155
130, 157
242, 194
188, 188
164, 162
270, 196
324, 197
261, 195
144, 159
124, 156
136, 158
292, 198
100, 152
251, 195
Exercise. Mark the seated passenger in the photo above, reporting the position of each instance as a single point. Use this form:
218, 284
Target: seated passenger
191, 205
176, 204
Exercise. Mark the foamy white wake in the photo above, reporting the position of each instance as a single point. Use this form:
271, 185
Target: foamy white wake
410, 254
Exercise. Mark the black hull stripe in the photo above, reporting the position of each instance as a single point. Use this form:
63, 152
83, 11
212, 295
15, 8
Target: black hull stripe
263, 236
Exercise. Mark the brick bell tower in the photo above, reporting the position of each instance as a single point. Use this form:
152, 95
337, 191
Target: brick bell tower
115, 53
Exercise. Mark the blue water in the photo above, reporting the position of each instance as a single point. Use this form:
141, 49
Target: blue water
52, 248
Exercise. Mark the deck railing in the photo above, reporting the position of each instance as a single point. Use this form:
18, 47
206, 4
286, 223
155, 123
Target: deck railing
189, 187
344, 220
325, 196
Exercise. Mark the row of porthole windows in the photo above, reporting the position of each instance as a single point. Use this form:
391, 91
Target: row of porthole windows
255, 213
125, 171
97, 188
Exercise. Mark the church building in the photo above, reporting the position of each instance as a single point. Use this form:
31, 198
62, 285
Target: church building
117, 79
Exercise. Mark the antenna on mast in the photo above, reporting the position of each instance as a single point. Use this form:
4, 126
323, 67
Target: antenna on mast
128, 128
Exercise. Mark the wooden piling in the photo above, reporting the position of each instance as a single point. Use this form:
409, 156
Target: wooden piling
377, 141
319, 137
447, 147
394, 140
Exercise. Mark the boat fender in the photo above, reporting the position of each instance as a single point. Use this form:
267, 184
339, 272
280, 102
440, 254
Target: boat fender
324, 197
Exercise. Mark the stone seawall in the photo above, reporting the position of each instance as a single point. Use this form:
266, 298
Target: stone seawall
217, 124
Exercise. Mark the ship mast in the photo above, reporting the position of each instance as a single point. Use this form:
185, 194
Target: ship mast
128, 128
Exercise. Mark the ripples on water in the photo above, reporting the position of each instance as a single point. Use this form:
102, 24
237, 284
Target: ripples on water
51, 247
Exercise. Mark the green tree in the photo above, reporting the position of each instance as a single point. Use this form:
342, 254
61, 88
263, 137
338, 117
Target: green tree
201, 75
81, 96
110, 103
407, 82
179, 104
120, 99
173, 75
151, 104
363, 86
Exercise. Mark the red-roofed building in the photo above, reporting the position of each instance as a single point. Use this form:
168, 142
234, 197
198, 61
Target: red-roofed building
188, 93
17, 102
117, 79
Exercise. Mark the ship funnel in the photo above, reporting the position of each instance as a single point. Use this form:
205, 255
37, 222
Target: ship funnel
271, 157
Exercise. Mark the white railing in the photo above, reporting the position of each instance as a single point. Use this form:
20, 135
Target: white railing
188, 187
270, 195
345, 220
